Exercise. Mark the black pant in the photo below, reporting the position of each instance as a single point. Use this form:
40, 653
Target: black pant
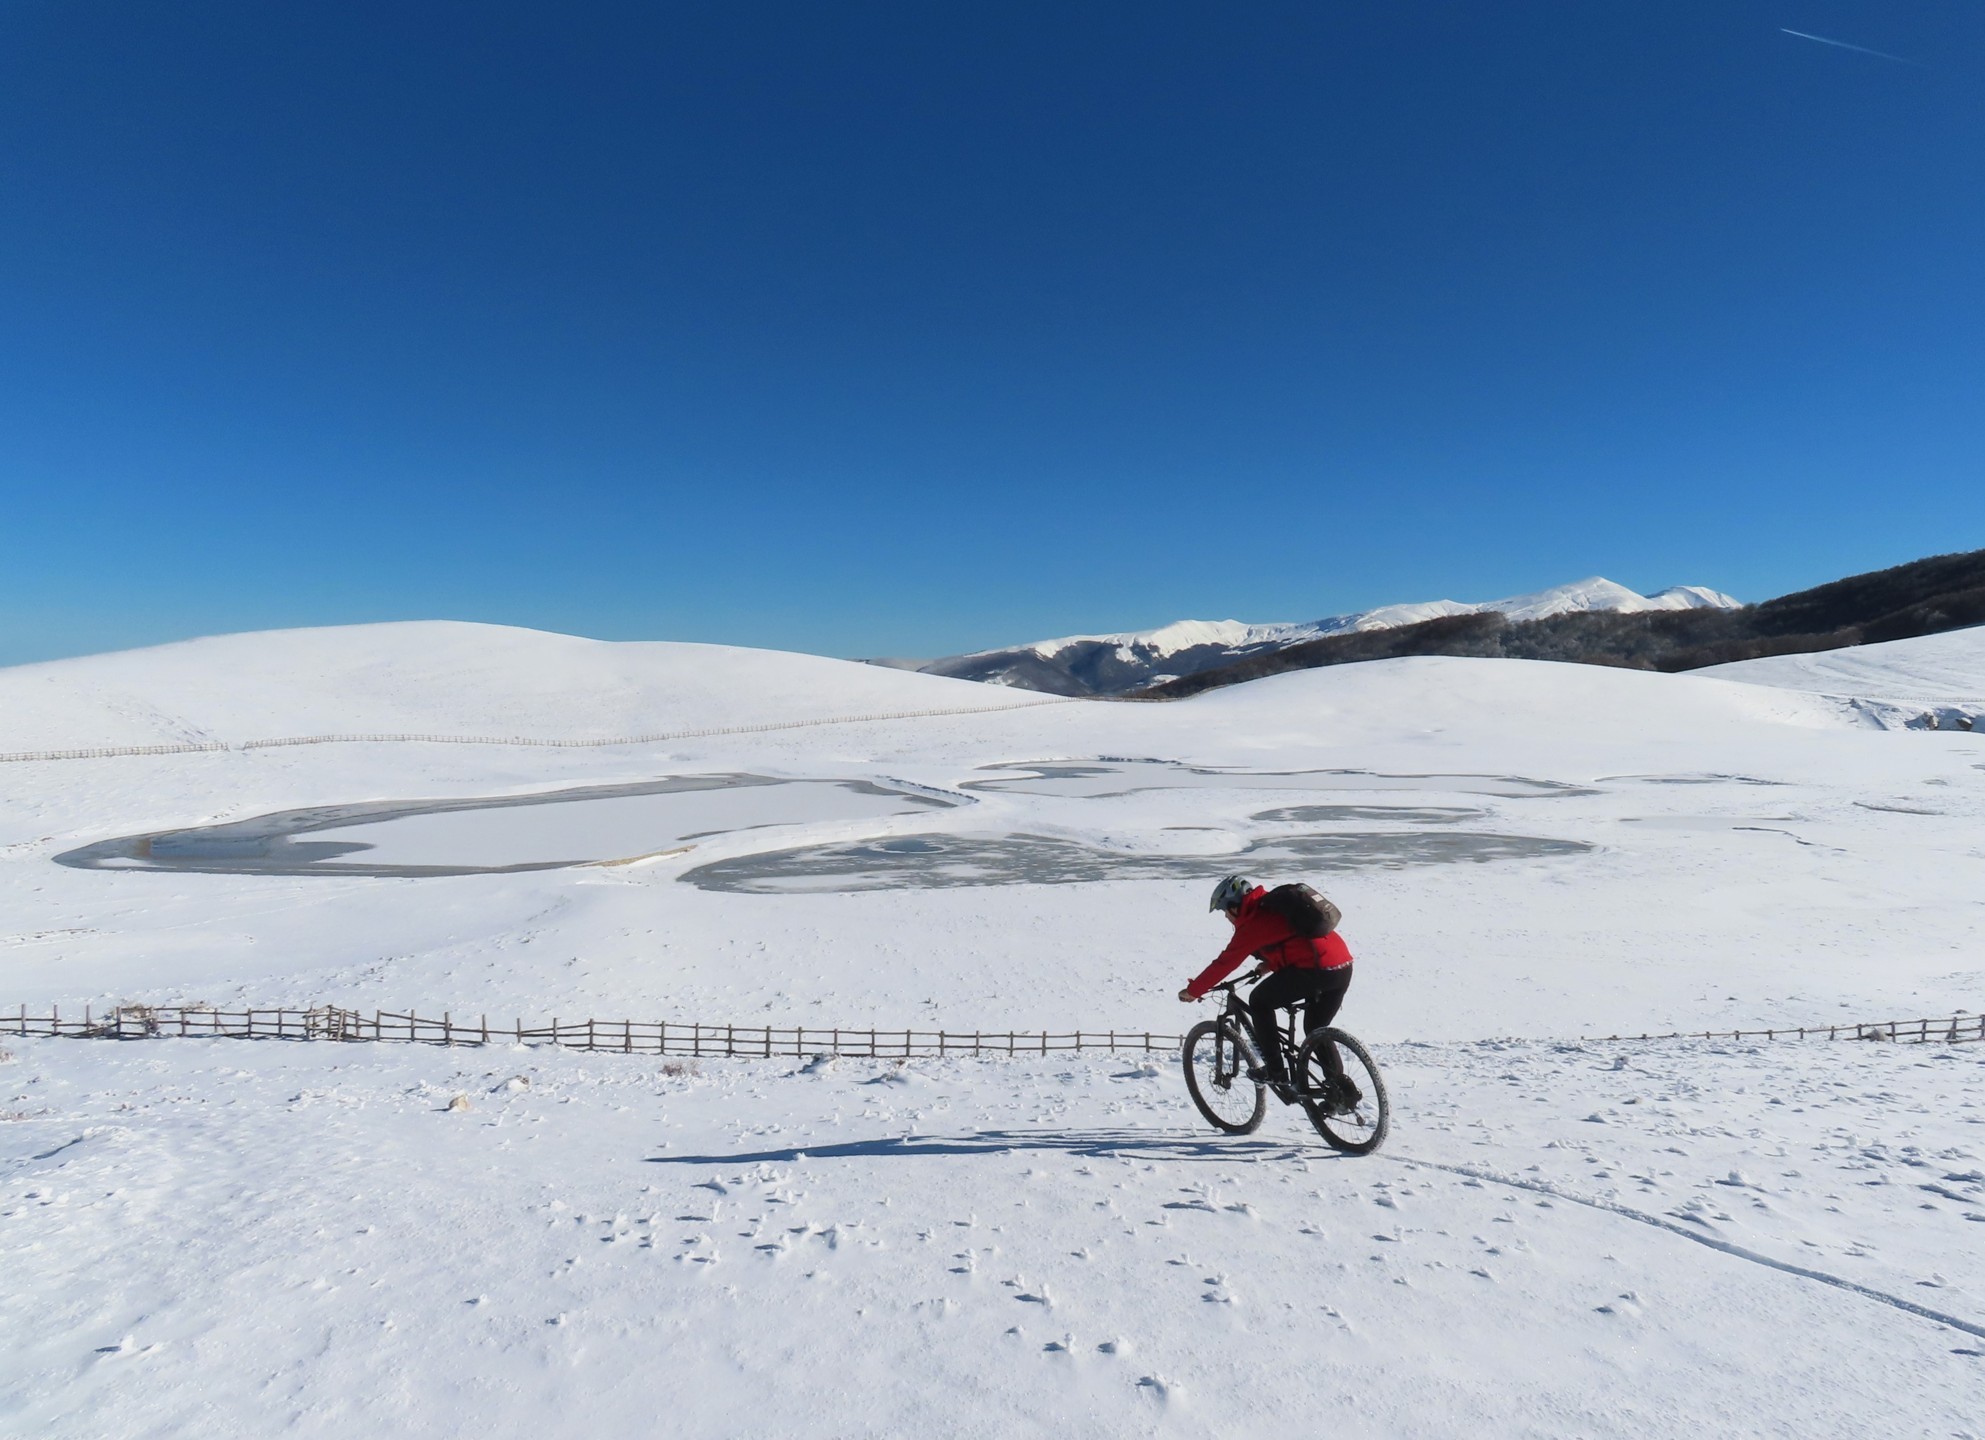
1320, 992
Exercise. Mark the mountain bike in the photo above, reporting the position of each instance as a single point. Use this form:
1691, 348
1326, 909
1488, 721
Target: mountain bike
1222, 1060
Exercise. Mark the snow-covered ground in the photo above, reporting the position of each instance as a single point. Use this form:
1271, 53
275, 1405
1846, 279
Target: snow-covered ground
224, 1239
221, 1239
1929, 673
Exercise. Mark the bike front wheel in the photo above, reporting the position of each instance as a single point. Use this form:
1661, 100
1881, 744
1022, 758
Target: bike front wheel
1355, 1120
1216, 1077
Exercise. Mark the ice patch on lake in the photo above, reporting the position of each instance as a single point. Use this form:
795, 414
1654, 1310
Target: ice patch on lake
495, 834
1110, 777
934, 861
1367, 814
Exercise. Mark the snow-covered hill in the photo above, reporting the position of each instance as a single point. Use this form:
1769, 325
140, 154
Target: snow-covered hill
1111, 664
1932, 671
447, 676
226, 1240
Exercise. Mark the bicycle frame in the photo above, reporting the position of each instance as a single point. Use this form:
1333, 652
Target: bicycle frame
1236, 1009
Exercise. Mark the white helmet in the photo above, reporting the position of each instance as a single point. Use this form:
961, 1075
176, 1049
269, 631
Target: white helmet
1229, 893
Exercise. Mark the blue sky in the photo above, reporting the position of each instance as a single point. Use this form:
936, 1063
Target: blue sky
915, 328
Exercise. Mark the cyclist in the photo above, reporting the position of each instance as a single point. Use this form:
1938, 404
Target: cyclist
1314, 973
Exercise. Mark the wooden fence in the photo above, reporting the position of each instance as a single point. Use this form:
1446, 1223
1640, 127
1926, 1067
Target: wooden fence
1957, 1029
632, 1037
105, 752
659, 737
670, 1037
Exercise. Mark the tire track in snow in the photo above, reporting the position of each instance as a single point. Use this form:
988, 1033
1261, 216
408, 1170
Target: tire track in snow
1676, 1228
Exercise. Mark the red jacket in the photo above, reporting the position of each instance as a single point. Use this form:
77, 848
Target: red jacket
1267, 936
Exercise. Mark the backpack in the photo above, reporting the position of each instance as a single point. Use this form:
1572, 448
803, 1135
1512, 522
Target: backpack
1310, 915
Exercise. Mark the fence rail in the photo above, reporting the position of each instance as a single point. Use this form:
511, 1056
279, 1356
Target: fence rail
633, 1037
105, 752
691, 1038
1961, 1028
659, 737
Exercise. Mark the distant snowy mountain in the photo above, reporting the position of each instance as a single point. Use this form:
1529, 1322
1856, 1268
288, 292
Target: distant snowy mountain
1113, 664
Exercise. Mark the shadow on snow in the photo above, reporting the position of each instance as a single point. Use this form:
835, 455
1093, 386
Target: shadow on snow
1102, 1144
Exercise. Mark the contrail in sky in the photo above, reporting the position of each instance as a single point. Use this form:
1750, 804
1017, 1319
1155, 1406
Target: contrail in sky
1858, 49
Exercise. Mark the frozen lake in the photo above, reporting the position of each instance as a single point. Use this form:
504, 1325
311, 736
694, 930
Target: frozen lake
488, 835
939, 862
1111, 777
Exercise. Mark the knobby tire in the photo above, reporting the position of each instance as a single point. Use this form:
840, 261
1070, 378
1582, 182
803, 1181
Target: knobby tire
1364, 1129
1216, 1078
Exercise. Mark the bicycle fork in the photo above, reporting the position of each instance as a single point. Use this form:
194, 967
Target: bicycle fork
1250, 1056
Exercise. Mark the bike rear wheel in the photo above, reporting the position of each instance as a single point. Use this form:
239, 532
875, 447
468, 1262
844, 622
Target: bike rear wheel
1355, 1126
1216, 1078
